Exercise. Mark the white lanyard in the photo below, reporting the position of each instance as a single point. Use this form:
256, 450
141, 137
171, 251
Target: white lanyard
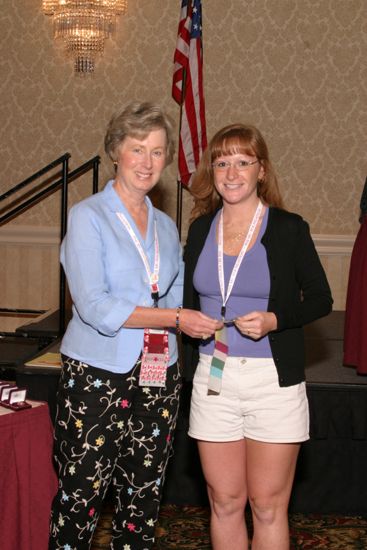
237, 265
153, 277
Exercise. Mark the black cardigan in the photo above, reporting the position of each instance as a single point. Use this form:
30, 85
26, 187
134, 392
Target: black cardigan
299, 291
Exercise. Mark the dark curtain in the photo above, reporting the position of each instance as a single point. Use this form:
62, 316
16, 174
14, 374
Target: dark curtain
355, 330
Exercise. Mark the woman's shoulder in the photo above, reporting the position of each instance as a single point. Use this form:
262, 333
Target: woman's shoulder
163, 218
86, 208
285, 217
286, 227
93, 202
165, 222
202, 223
93, 211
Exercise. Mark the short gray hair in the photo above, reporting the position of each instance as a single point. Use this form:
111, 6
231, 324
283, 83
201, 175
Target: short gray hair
138, 119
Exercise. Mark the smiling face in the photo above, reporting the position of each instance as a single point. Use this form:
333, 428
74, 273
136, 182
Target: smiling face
236, 176
140, 162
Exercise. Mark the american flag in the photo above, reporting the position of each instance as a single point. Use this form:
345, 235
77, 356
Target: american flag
187, 89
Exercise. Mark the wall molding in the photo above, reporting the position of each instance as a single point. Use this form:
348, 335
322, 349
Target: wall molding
334, 245
329, 245
29, 235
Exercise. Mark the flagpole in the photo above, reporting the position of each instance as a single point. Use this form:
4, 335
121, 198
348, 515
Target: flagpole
179, 208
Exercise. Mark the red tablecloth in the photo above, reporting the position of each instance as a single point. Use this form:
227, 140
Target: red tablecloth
28, 481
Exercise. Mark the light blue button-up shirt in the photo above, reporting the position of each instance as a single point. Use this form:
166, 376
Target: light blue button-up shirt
107, 280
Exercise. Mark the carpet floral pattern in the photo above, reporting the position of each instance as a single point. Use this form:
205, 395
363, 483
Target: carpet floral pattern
187, 528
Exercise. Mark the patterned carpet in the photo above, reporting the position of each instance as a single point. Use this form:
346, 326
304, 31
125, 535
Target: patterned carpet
187, 528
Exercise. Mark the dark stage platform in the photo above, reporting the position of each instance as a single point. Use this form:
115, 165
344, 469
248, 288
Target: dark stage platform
330, 475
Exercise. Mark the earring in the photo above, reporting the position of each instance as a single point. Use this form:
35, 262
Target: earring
115, 164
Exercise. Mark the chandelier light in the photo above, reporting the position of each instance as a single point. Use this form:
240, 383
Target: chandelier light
83, 26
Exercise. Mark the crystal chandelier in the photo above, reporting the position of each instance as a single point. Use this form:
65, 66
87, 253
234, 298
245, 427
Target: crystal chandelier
83, 25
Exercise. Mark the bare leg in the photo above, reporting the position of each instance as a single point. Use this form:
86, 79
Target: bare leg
270, 474
224, 467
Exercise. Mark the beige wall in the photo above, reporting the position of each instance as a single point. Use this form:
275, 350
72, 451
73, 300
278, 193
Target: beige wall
295, 68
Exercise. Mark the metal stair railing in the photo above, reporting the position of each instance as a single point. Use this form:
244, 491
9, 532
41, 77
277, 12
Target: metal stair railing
25, 203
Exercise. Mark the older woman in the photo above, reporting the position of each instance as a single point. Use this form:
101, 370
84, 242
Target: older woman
120, 382
253, 265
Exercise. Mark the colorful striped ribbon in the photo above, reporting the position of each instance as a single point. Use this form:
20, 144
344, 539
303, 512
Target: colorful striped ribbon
218, 362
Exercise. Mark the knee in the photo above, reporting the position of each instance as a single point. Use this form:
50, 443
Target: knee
225, 504
266, 510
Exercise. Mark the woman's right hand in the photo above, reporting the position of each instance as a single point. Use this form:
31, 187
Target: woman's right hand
197, 325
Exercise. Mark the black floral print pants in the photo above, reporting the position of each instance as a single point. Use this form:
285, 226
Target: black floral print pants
110, 433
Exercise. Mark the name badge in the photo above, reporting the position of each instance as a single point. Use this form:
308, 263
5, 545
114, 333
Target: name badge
155, 358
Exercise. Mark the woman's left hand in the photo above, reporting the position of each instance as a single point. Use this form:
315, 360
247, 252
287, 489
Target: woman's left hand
256, 324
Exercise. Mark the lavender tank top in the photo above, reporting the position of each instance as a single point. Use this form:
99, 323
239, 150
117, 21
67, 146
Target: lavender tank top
250, 291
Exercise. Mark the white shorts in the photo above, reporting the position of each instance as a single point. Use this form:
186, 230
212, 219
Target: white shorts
251, 404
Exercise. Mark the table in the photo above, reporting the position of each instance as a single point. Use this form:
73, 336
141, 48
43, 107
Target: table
41, 382
28, 480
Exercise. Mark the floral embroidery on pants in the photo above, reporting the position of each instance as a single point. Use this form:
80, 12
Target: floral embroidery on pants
111, 434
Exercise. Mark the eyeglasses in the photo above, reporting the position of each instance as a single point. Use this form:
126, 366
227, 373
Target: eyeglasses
239, 165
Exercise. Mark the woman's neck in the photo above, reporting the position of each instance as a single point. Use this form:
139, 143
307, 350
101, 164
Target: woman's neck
237, 220
136, 206
239, 214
